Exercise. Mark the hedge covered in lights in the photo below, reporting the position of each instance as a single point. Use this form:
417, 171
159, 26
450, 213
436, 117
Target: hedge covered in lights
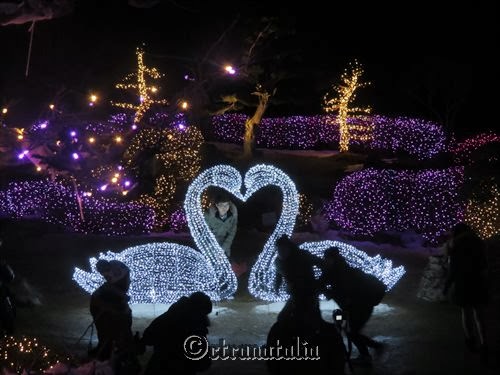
415, 137
57, 203
372, 201
463, 152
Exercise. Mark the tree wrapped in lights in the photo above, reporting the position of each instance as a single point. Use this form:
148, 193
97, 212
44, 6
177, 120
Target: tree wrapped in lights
345, 96
305, 210
481, 156
139, 82
260, 69
482, 212
162, 160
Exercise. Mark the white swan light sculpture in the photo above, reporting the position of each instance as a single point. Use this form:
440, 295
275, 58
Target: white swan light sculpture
163, 272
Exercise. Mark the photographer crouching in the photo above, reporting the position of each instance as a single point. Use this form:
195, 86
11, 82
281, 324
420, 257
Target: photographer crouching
356, 293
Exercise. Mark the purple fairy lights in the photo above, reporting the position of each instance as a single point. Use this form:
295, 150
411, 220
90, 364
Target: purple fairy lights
57, 204
372, 201
415, 137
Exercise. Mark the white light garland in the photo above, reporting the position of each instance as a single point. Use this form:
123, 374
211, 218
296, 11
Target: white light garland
163, 272
263, 274
159, 273
376, 266
228, 178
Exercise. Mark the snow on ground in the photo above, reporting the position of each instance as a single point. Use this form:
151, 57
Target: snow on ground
422, 337
153, 310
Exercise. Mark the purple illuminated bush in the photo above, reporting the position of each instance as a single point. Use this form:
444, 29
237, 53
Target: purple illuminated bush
372, 201
401, 134
177, 220
57, 204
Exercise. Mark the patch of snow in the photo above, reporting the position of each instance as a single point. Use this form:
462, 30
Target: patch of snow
270, 308
382, 309
153, 310
354, 167
276, 307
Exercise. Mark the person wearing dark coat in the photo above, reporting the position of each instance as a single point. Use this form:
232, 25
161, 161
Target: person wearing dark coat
168, 333
296, 267
467, 279
112, 314
300, 318
356, 293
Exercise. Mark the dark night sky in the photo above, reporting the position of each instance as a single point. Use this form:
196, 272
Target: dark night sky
400, 48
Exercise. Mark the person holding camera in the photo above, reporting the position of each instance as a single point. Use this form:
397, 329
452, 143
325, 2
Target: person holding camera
356, 293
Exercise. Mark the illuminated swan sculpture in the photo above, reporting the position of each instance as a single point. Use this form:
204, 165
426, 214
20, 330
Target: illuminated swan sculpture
263, 274
163, 272
160, 272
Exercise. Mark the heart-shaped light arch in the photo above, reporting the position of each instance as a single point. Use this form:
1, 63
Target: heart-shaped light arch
161, 273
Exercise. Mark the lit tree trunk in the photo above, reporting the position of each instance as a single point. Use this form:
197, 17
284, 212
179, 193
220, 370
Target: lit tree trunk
78, 199
343, 129
252, 123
